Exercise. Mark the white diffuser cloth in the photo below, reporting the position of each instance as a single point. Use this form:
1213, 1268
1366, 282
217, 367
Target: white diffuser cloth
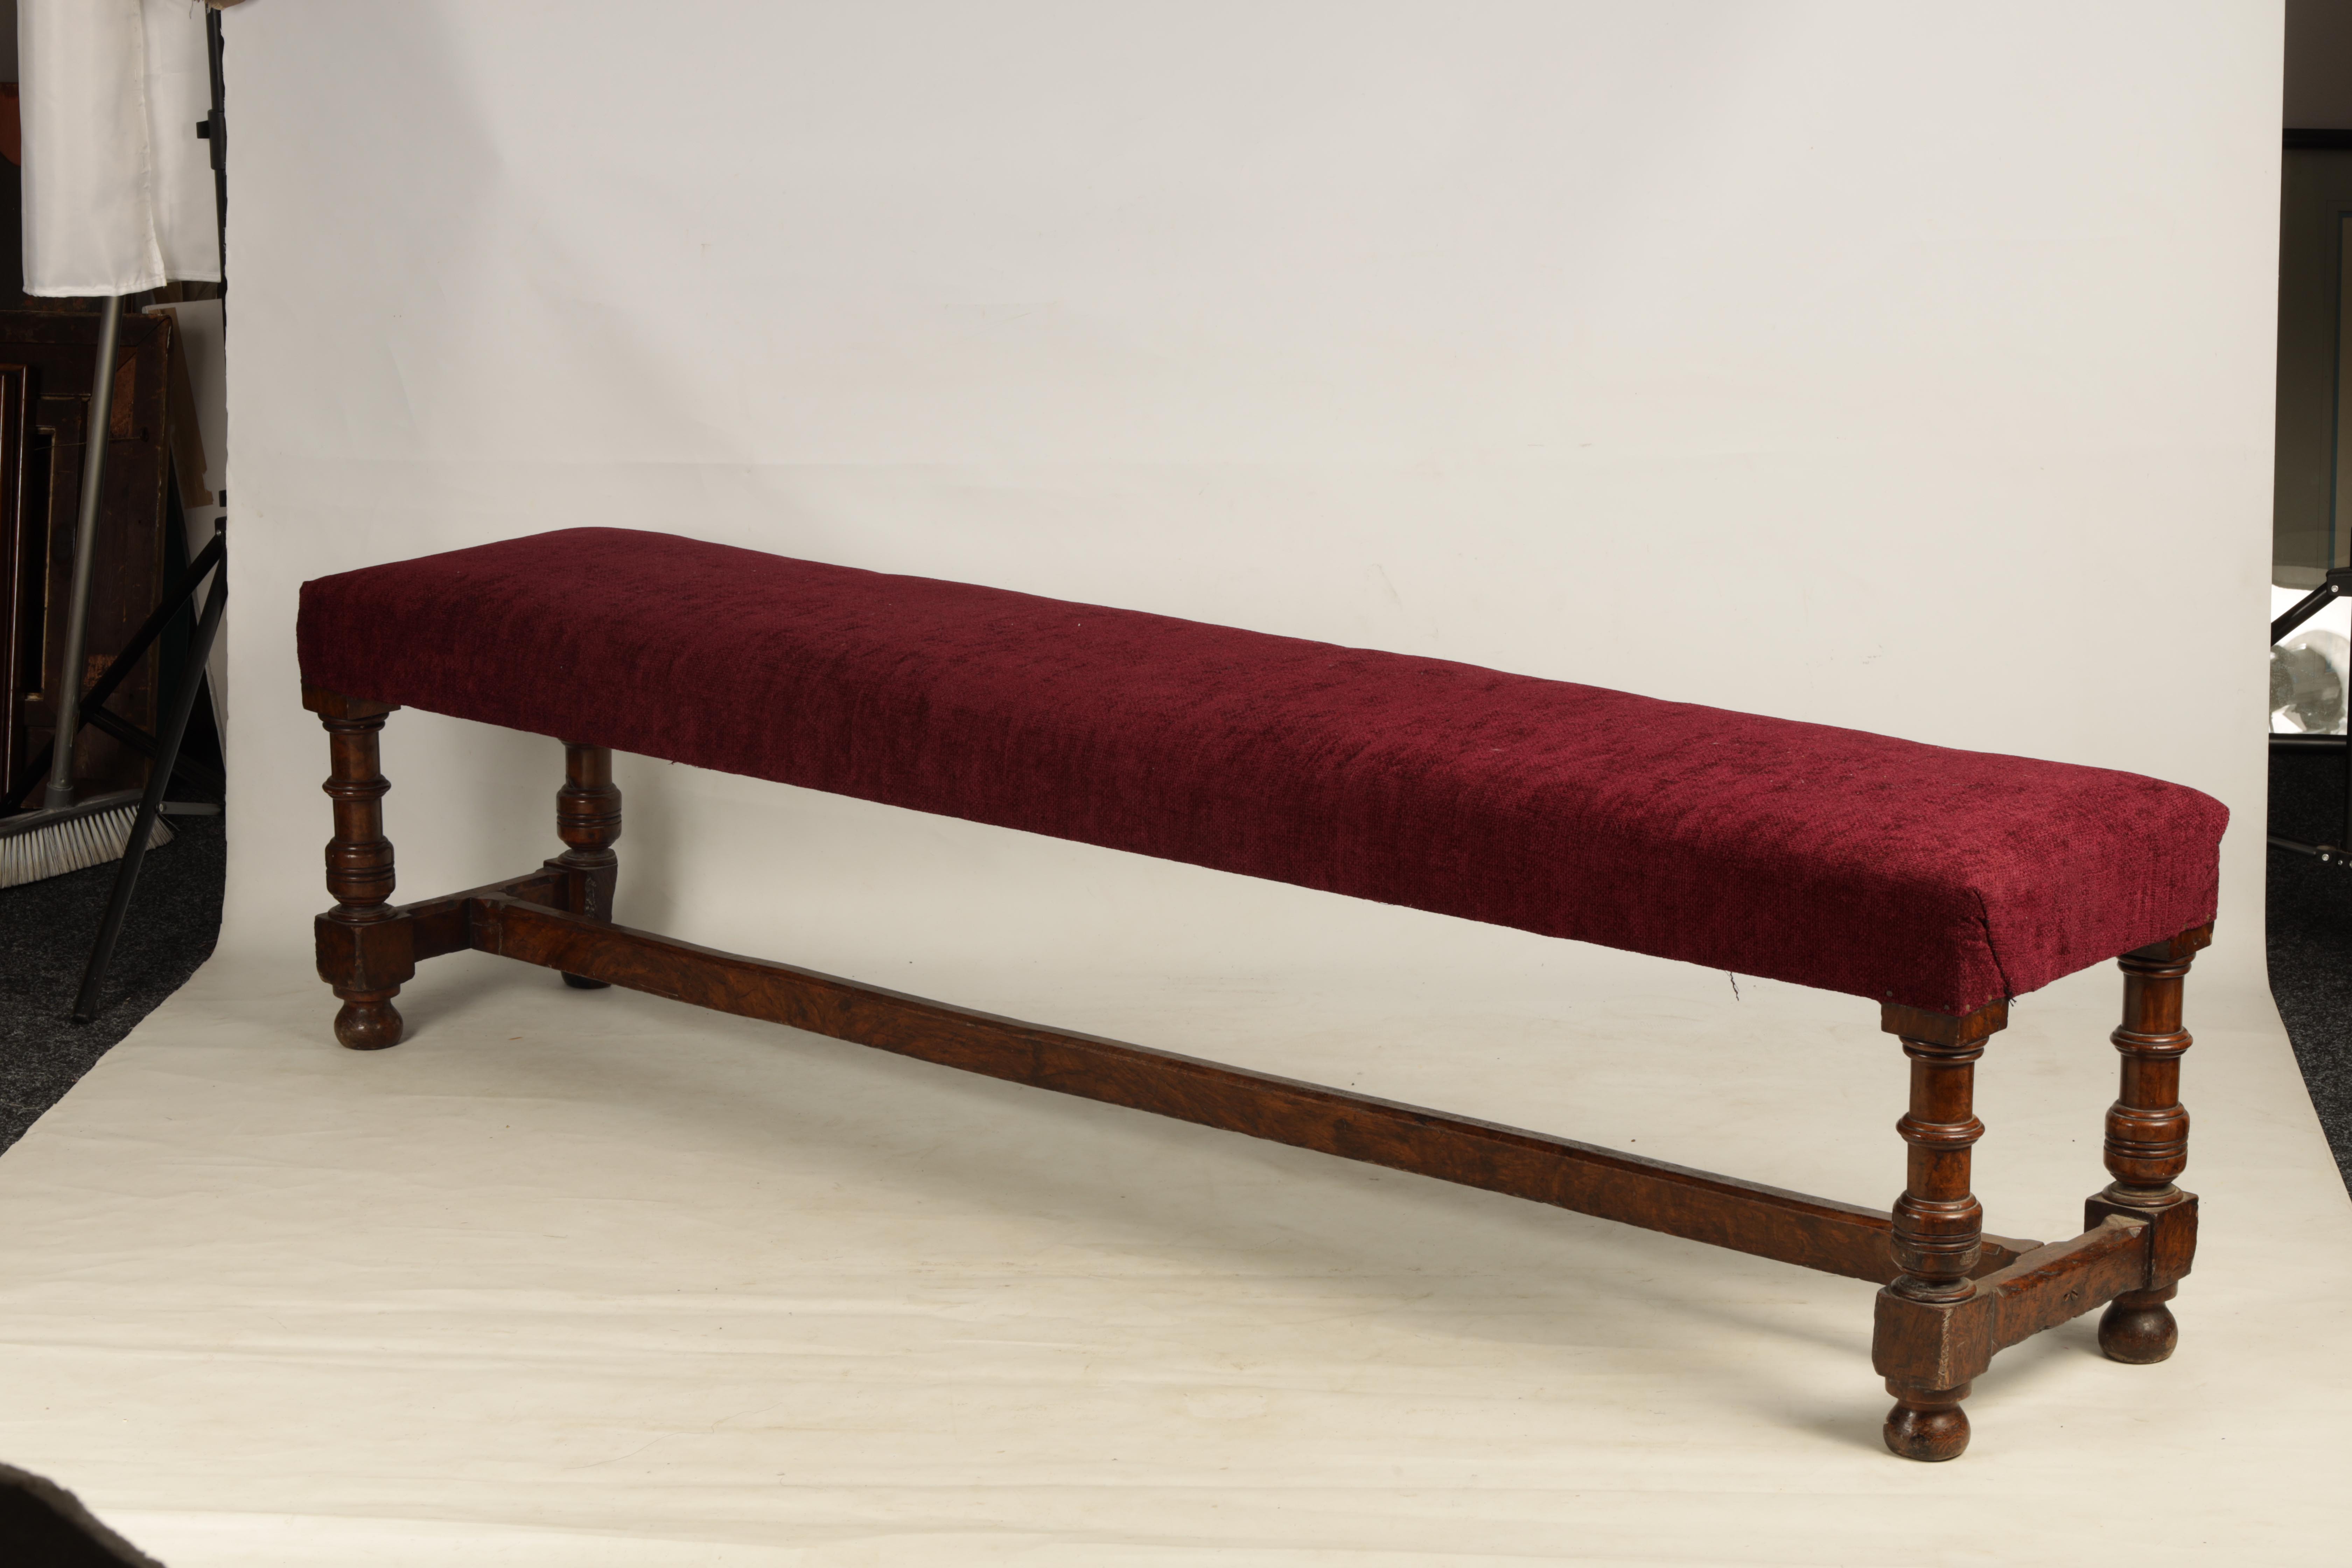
118, 187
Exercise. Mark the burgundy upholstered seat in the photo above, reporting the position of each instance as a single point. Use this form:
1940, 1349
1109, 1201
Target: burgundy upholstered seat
1939, 878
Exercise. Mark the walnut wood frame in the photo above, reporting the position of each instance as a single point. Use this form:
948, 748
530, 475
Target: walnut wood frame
1951, 1296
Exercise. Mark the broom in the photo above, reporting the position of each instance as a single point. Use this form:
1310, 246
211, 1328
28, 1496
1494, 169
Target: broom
66, 834
50, 843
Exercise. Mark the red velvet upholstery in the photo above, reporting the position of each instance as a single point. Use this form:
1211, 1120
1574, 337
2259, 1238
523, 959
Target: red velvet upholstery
1940, 879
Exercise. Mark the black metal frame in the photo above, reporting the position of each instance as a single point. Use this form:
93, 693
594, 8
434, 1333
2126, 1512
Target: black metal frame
2339, 584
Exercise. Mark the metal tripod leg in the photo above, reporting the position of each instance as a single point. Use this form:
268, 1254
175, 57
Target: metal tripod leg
151, 806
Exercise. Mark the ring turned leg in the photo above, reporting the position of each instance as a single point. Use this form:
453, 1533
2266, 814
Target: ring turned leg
588, 820
1939, 1224
364, 952
2148, 1146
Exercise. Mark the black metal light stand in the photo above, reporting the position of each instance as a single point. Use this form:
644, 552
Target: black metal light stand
212, 558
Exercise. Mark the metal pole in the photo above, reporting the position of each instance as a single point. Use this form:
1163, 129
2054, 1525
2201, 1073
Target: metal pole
93, 474
215, 130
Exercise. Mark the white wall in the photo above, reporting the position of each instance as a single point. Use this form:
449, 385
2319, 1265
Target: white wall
1902, 367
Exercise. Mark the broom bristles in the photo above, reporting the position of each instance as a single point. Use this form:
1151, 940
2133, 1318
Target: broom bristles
75, 843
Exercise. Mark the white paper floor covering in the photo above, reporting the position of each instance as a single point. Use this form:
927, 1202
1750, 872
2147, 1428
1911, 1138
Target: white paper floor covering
589, 1278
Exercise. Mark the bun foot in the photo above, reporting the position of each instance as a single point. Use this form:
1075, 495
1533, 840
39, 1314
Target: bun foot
368, 1023
582, 983
2137, 1328
1928, 1426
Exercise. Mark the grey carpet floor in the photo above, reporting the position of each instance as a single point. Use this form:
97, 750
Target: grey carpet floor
45, 932
2310, 918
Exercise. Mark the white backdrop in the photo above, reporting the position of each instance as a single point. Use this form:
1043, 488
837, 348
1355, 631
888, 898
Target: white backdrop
1873, 365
